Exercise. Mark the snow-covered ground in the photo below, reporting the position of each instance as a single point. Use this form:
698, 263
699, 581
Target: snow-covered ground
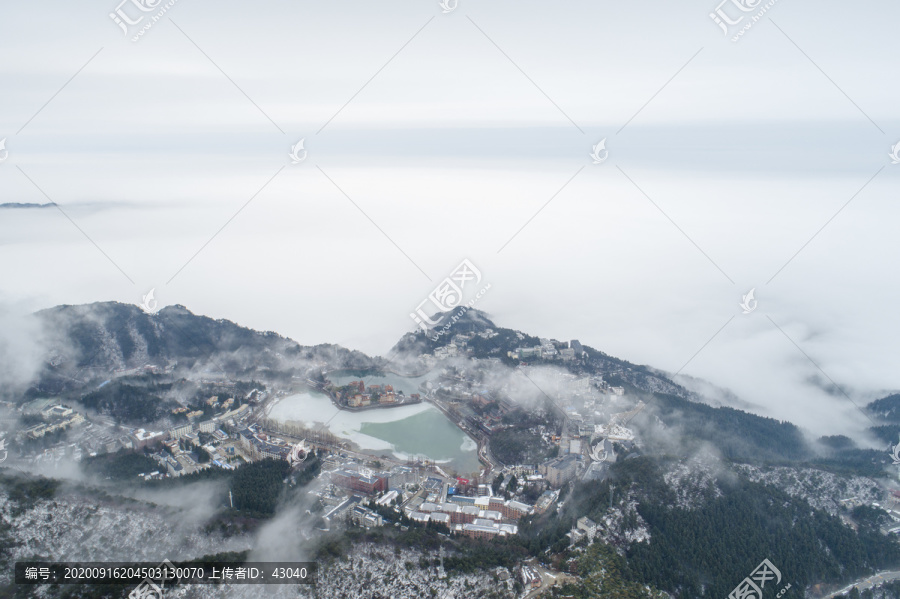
72, 527
821, 489
369, 572
692, 481
75, 528
612, 528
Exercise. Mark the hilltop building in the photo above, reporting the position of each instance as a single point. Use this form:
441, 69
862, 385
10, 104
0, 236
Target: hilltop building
588, 526
560, 471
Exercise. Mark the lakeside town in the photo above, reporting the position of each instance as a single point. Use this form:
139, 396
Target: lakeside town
542, 425
580, 437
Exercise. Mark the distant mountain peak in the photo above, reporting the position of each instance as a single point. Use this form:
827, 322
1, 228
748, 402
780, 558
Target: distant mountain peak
468, 320
15, 205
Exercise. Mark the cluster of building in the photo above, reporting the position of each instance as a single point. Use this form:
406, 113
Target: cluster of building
548, 477
58, 417
213, 402
260, 445
456, 347
481, 517
349, 482
891, 508
352, 509
359, 494
549, 350
217, 443
451, 350
363, 481
233, 417
476, 517
357, 395
362, 516
102, 433
176, 462
481, 411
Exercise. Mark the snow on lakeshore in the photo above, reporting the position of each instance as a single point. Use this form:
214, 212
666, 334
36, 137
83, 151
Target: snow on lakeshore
314, 409
468, 444
406, 432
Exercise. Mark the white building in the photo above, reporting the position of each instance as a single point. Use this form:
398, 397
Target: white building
181, 431
588, 526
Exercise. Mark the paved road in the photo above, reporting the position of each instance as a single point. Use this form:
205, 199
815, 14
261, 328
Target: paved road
867, 583
484, 451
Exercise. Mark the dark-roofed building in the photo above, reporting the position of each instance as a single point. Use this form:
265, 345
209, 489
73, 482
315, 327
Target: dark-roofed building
559, 471
260, 446
362, 516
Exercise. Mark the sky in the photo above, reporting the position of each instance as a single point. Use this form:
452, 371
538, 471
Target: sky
430, 137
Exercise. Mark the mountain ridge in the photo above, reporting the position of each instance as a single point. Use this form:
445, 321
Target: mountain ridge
89, 340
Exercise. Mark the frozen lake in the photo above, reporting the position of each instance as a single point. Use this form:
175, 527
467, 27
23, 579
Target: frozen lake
416, 430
